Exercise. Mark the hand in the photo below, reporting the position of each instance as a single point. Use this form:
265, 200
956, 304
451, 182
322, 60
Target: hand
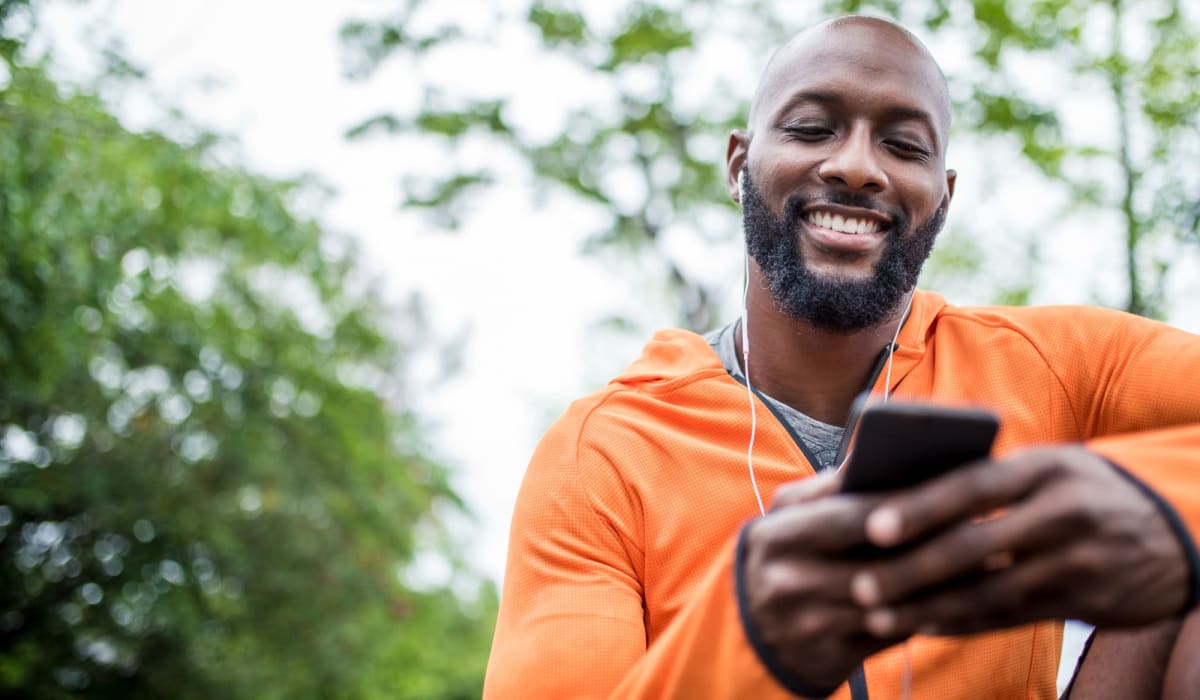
797, 578
1075, 539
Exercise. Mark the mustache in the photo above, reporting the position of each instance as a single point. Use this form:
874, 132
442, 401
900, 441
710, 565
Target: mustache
795, 206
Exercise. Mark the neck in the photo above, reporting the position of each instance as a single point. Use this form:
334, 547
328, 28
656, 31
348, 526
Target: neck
814, 371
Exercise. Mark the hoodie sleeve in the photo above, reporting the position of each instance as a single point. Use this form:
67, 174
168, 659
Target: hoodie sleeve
571, 622
1141, 407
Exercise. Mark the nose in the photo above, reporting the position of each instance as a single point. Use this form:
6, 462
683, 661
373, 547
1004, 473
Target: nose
853, 162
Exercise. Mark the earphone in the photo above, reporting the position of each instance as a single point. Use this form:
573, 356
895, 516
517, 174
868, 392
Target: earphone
746, 357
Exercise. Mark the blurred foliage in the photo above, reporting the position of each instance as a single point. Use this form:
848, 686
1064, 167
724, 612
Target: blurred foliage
650, 125
208, 484
1136, 64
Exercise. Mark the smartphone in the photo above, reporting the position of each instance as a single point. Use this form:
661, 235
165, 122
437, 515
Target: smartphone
903, 443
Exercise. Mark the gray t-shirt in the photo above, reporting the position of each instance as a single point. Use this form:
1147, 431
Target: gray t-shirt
821, 439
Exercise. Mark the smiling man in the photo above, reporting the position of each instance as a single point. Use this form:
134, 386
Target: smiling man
643, 563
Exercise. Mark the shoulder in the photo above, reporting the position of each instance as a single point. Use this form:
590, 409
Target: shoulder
1066, 326
677, 378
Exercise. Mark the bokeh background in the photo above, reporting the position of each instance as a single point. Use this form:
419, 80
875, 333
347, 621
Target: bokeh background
289, 290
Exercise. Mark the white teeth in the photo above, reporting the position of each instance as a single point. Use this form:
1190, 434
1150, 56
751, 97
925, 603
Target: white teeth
840, 223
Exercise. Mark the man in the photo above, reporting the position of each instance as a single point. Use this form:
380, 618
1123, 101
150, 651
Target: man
637, 567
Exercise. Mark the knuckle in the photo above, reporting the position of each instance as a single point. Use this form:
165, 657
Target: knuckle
790, 493
1089, 562
812, 623
769, 536
782, 584
774, 584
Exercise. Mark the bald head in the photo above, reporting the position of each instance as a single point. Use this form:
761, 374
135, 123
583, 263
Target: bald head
869, 46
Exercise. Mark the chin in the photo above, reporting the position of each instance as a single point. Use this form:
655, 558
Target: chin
834, 273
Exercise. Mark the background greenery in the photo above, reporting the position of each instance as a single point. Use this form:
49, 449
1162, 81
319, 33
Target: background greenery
210, 483
1134, 65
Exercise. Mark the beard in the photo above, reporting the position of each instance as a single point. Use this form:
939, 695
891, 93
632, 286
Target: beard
833, 303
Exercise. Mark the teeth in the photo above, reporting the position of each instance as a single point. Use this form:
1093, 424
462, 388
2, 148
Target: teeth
840, 223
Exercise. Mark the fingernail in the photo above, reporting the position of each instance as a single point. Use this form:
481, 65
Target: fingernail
883, 526
881, 622
865, 589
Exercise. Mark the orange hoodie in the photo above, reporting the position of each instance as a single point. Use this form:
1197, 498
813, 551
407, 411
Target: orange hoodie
620, 579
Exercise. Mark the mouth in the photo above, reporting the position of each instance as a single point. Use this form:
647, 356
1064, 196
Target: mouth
845, 230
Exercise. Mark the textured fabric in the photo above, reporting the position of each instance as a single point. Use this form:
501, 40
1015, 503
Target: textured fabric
620, 581
822, 439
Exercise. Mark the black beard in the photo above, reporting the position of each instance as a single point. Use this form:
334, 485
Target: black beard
829, 302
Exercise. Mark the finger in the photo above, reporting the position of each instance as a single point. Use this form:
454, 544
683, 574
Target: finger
807, 622
966, 548
828, 525
1024, 592
804, 490
968, 491
781, 585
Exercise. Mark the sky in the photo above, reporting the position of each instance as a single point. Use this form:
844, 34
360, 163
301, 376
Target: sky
512, 284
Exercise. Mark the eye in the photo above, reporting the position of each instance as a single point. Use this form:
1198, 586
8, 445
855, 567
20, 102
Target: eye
908, 149
807, 132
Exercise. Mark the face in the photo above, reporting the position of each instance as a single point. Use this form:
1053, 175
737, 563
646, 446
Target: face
830, 301
846, 186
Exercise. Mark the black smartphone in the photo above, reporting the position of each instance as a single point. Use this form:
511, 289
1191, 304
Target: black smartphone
902, 443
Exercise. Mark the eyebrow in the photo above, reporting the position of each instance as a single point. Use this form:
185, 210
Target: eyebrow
893, 113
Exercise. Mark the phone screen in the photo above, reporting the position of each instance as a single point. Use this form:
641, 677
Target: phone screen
900, 444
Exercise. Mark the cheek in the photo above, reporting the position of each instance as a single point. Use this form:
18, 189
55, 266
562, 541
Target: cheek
779, 171
922, 194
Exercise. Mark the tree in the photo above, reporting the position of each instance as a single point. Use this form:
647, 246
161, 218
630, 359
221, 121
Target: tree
668, 79
1135, 66
209, 485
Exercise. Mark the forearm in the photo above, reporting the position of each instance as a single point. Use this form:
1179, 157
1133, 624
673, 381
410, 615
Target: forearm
541, 653
1166, 465
1123, 664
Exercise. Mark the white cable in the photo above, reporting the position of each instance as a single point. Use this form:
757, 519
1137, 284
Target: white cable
907, 677
746, 364
887, 380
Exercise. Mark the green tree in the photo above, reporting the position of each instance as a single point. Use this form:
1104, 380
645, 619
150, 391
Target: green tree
1134, 64
652, 122
209, 485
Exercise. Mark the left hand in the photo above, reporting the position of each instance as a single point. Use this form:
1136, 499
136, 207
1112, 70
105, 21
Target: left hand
1074, 539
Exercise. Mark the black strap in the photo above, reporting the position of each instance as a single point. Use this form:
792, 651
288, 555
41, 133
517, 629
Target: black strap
858, 684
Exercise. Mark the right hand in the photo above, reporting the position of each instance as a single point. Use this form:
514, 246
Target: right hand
797, 578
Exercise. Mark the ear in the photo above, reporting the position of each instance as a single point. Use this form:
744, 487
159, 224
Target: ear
951, 178
735, 158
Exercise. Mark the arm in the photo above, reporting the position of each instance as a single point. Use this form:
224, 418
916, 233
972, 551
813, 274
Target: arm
1119, 664
1103, 534
1141, 408
571, 622
1182, 675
